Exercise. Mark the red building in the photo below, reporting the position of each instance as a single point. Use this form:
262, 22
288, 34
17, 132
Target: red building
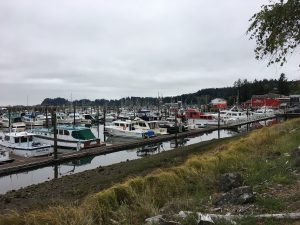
219, 103
268, 100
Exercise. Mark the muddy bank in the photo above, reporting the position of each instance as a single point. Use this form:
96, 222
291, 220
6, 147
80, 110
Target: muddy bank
74, 188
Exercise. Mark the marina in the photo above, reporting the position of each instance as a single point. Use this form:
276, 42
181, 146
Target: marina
41, 169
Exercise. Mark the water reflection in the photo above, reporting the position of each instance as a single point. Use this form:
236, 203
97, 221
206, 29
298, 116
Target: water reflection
17, 181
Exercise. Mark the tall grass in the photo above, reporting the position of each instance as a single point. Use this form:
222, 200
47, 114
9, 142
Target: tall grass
137, 198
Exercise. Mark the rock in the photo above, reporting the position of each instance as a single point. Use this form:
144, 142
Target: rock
205, 220
296, 153
159, 219
296, 156
274, 155
230, 180
297, 162
240, 195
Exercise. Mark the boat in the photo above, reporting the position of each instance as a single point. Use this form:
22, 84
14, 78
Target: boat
31, 121
152, 125
73, 137
23, 144
127, 129
62, 118
15, 121
264, 111
147, 115
75, 117
234, 114
88, 119
201, 119
4, 156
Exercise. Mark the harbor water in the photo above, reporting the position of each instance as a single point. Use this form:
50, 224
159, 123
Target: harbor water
24, 179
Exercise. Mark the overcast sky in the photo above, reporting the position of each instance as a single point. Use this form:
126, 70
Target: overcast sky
112, 49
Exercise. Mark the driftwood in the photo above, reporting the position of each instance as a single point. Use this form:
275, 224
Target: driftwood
211, 218
231, 218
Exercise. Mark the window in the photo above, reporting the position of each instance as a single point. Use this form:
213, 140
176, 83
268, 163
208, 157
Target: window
23, 139
17, 140
66, 132
6, 138
61, 132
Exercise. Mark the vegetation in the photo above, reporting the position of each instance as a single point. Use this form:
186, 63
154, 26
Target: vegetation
185, 187
276, 30
246, 90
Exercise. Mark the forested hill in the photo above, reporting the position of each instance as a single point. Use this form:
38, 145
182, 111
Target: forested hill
243, 88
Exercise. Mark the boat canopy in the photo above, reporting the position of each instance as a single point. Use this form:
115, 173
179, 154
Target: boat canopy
85, 134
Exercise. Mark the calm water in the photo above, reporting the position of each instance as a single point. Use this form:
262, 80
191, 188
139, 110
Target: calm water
24, 179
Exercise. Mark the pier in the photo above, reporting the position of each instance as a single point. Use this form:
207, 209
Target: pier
25, 164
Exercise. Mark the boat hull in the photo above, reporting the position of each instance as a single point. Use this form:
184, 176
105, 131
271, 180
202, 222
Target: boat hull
30, 151
71, 144
124, 133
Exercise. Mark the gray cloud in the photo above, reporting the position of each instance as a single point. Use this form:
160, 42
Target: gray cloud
112, 49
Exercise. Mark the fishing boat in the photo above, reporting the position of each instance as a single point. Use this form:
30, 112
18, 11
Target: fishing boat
127, 129
73, 137
4, 157
201, 119
23, 144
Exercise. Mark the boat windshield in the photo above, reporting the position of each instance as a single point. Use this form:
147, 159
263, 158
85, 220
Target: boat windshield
83, 134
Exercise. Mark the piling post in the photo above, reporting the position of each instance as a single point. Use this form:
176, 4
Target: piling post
55, 134
98, 121
55, 171
9, 118
219, 124
47, 122
247, 119
74, 110
104, 118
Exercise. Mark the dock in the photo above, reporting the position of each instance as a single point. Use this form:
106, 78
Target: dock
22, 164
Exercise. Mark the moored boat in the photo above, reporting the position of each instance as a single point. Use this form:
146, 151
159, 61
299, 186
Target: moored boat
23, 144
4, 156
74, 137
127, 129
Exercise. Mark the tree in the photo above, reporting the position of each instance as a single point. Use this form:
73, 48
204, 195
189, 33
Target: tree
276, 29
283, 87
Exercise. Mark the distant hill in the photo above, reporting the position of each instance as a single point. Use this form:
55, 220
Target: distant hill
244, 89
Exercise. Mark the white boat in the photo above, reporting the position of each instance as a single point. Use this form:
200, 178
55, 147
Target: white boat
127, 129
201, 119
15, 122
234, 114
152, 125
87, 119
264, 111
75, 116
23, 144
68, 137
31, 122
4, 156
61, 118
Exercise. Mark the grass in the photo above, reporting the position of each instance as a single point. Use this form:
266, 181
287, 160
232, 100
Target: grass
190, 184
